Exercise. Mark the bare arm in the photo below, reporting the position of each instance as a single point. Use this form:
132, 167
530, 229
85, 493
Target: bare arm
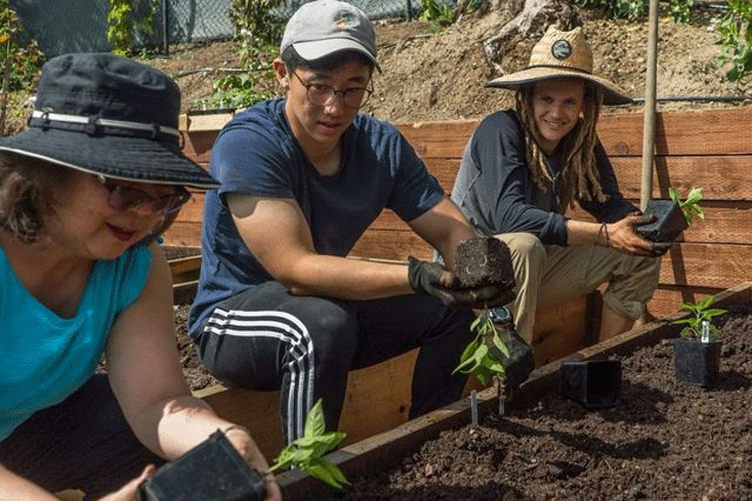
444, 227
14, 487
145, 375
277, 234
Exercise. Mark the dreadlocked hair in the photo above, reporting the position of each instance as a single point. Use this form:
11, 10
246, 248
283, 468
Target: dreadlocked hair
579, 178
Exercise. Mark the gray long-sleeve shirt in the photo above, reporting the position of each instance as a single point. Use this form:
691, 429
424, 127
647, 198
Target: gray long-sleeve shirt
495, 190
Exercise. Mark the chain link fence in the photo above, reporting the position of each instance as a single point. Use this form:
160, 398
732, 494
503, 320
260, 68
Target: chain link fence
67, 26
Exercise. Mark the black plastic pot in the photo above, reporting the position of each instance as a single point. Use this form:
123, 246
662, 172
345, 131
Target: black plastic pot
669, 222
695, 362
594, 383
213, 470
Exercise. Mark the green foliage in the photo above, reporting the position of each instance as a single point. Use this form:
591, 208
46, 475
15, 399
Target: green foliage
736, 39
438, 12
477, 358
628, 9
701, 311
22, 62
252, 19
123, 27
691, 206
254, 84
307, 452
679, 10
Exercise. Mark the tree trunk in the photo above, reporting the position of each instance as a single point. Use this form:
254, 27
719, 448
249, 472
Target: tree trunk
530, 20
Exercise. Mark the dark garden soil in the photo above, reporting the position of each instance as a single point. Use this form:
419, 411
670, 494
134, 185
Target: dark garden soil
484, 261
666, 440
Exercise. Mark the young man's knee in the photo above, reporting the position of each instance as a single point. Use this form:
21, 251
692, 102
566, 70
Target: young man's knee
524, 246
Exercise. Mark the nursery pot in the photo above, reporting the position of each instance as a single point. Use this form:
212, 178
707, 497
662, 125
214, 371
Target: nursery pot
669, 222
697, 362
594, 383
213, 470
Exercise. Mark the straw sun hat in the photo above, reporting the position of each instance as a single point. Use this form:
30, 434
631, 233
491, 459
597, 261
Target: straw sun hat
562, 54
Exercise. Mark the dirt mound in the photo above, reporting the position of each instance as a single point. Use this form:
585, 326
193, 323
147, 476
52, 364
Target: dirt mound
441, 75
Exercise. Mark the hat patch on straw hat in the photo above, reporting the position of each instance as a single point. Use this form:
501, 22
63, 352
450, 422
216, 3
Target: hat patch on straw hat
561, 49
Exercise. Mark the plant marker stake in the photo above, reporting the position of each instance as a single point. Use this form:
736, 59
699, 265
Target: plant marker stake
474, 407
705, 331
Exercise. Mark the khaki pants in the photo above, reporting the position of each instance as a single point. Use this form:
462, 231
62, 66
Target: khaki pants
549, 274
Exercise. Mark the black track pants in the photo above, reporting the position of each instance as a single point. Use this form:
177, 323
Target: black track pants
268, 339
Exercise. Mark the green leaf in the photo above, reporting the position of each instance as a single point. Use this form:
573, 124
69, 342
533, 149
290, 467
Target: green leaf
314, 424
500, 344
483, 374
494, 365
674, 195
327, 472
307, 452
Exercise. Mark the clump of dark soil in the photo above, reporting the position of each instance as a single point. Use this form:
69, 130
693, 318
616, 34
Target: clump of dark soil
667, 440
484, 261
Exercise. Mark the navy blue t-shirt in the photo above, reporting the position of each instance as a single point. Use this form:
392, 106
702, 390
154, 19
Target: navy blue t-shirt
495, 190
257, 154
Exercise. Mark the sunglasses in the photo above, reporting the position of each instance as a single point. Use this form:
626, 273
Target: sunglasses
125, 198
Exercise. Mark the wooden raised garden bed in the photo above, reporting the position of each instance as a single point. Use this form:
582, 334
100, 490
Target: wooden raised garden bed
711, 149
665, 440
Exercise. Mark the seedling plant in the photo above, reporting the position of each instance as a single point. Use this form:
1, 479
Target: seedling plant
691, 206
477, 358
307, 453
702, 313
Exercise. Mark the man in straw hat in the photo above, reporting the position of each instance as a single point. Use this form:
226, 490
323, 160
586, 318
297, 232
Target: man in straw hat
523, 167
279, 306
84, 191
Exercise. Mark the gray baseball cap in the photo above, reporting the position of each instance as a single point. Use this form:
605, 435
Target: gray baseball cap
323, 27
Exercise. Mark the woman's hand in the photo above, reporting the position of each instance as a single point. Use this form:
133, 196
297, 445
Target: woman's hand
622, 237
130, 490
241, 439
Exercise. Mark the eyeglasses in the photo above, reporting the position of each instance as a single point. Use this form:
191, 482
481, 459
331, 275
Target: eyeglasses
321, 95
125, 198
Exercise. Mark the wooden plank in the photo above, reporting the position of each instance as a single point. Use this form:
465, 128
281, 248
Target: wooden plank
667, 300
560, 330
183, 234
387, 448
722, 177
697, 132
706, 265
185, 269
701, 132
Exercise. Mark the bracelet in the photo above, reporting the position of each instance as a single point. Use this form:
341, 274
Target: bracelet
604, 229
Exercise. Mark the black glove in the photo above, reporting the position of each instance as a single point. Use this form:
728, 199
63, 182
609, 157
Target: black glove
519, 364
435, 280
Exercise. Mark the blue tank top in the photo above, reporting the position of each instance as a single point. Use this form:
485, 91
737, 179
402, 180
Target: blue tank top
45, 358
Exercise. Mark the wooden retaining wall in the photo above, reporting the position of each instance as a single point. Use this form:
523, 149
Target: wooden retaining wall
710, 149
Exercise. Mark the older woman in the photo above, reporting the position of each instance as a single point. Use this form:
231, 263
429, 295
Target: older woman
523, 167
83, 193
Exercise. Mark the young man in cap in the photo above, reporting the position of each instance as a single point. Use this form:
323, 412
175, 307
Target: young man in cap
279, 305
523, 167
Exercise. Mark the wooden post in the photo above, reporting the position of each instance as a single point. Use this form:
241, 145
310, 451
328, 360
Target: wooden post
648, 130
